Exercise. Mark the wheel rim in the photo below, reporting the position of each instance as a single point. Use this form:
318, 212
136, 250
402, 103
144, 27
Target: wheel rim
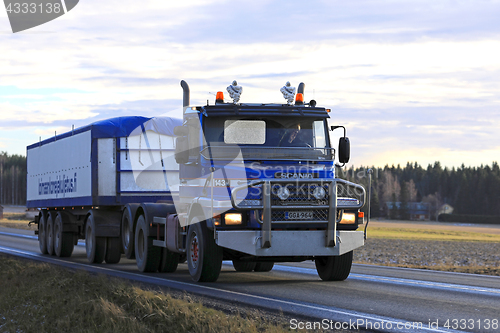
194, 253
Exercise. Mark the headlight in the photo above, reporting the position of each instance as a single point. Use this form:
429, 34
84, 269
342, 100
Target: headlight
232, 219
319, 193
283, 193
348, 218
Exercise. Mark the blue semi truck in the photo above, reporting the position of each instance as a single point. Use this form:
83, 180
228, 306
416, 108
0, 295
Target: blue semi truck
251, 183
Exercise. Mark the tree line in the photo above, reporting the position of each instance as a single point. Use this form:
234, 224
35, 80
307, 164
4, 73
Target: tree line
469, 190
12, 179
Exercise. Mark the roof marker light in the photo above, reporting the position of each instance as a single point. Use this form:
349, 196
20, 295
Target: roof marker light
299, 99
219, 98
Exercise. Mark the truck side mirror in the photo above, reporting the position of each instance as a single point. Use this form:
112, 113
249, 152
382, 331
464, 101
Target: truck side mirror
181, 130
181, 149
344, 149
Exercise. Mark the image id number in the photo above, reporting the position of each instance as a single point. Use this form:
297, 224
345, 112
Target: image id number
33, 8
485, 324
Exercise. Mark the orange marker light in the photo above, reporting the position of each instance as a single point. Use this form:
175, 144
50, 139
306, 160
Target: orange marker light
361, 214
299, 98
219, 98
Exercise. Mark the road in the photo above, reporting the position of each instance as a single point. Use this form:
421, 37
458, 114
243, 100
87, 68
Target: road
373, 297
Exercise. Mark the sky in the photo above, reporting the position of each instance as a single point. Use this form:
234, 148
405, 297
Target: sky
412, 81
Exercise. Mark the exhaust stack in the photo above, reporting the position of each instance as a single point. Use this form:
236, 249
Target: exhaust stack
301, 88
185, 97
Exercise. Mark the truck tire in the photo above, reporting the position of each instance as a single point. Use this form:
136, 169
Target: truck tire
42, 231
127, 234
94, 246
264, 266
50, 233
63, 241
244, 266
334, 268
204, 257
147, 256
113, 251
168, 261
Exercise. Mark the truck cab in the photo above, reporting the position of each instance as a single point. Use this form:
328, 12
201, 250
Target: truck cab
258, 186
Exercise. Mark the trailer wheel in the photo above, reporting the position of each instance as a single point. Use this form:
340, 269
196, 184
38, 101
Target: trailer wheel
168, 261
63, 241
94, 246
113, 253
334, 268
204, 256
244, 266
42, 231
264, 266
50, 233
147, 256
128, 235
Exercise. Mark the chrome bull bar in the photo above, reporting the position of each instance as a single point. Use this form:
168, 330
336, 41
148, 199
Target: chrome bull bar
334, 203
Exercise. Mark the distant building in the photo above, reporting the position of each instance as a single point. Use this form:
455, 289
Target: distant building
418, 211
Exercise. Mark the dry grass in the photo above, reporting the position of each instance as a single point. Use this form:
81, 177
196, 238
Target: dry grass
37, 297
17, 221
431, 234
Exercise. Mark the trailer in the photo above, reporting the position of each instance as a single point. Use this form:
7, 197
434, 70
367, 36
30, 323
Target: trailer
250, 183
86, 178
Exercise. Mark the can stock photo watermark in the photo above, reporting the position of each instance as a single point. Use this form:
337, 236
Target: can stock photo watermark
28, 14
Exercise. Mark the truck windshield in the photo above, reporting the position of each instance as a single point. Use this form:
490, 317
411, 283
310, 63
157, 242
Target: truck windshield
304, 137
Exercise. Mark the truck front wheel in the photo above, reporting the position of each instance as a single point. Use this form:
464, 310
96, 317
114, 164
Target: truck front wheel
264, 266
334, 268
204, 256
244, 266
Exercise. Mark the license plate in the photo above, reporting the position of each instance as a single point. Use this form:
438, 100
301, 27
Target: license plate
299, 215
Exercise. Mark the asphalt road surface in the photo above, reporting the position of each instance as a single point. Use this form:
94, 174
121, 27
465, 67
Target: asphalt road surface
373, 298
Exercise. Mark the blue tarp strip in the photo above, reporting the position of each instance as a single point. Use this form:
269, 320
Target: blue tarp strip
121, 127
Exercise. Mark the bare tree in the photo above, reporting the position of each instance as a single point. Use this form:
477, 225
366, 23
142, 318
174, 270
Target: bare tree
391, 186
412, 191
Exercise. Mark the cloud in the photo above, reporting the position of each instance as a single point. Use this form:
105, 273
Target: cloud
405, 77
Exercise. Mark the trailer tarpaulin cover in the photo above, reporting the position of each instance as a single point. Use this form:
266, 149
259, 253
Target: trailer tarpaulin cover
120, 127
125, 126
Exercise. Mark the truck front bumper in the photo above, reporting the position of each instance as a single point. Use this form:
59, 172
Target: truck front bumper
290, 243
